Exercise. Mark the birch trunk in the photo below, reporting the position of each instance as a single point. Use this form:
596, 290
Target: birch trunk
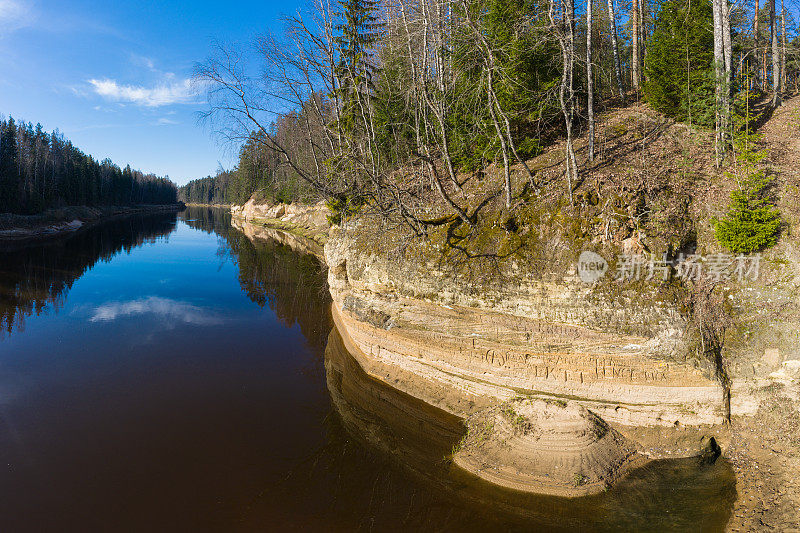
727, 50
642, 35
776, 67
590, 81
635, 80
505, 136
726, 45
570, 14
764, 63
566, 42
612, 21
719, 66
783, 48
500, 136
426, 122
757, 41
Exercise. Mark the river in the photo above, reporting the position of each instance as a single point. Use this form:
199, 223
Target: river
165, 373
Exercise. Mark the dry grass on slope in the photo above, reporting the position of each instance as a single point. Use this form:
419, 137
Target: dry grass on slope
640, 193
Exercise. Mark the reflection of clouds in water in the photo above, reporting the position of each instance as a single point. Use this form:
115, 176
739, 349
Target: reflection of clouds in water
164, 307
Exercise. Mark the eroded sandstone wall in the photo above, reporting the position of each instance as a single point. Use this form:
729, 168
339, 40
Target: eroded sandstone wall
471, 348
309, 216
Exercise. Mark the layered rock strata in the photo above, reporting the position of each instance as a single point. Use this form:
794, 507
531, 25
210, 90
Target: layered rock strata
597, 385
484, 356
309, 216
595, 388
547, 447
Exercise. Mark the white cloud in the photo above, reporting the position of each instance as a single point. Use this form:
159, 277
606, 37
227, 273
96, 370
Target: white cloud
166, 122
14, 14
143, 61
178, 92
163, 307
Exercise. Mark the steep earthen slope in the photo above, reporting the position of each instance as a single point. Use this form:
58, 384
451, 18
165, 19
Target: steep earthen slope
765, 357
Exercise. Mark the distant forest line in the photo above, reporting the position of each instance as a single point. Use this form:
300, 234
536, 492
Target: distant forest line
41, 171
260, 170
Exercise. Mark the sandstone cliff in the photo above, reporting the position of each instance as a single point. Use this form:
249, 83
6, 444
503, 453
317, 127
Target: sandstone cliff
469, 348
469, 323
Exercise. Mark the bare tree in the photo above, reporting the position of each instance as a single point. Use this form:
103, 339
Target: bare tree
612, 21
590, 81
499, 116
238, 107
635, 34
565, 34
300, 74
425, 48
776, 67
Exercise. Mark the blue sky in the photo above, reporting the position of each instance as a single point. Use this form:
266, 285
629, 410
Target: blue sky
113, 76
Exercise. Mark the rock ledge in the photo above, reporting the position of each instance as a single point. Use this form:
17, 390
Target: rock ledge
548, 447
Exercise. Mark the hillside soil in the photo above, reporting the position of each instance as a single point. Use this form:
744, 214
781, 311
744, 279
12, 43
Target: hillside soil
765, 449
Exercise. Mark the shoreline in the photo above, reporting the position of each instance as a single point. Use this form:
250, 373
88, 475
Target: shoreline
762, 446
58, 223
464, 393
215, 206
307, 222
291, 235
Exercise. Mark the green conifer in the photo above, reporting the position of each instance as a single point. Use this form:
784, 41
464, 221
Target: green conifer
680, 59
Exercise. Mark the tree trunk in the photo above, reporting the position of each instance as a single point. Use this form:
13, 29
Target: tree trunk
500, 136
764, 63
727, 50
570, 9
635, 33
719, 76
776, 67
783, 48
642, 35
434, 106
566, 41
757, 41
495, 110
589, 81
613, 26
727, 46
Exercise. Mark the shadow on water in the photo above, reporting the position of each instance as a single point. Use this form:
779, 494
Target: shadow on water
384, 463
36, 278
417, 439
294, 285
207, 219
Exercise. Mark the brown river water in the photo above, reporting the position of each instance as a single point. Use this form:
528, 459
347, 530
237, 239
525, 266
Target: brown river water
164, 373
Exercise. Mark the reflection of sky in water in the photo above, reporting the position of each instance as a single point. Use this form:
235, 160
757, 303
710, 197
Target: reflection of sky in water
170, 288
140, 401
175, 295
171, 311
